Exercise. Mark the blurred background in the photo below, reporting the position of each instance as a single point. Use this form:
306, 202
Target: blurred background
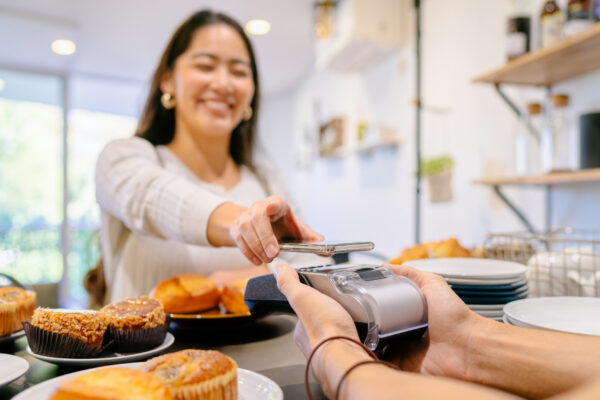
338, 119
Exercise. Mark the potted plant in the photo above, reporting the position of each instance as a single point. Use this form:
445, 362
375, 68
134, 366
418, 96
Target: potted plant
438, 172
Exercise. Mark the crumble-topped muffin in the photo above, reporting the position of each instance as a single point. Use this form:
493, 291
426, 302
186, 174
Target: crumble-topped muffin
66, 333
136, 324
196, 374
87, 327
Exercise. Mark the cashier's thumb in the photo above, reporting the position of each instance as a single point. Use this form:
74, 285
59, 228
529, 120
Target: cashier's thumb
287, 277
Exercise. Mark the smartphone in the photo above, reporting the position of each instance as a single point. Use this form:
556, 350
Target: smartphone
326, 248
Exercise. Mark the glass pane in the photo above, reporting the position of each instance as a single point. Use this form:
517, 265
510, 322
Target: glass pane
30, 177
88, 133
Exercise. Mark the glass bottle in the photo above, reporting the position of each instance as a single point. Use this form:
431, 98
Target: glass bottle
518, 32
527, 151
580, 16
559, 137
551, 23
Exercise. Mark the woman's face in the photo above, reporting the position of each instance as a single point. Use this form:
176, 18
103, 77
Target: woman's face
211, 81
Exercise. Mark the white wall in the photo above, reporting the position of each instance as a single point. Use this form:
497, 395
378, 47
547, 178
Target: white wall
372, 197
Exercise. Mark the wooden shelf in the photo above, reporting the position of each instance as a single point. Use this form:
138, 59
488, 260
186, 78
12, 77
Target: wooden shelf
561, 61
585, 175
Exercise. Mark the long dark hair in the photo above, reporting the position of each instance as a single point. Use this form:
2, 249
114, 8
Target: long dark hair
157, 124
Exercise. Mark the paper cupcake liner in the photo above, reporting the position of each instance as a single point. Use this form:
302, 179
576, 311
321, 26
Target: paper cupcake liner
7, 319
223, 387
137, 340
52, 344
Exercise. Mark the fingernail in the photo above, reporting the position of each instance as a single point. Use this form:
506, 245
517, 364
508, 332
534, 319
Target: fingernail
272, 251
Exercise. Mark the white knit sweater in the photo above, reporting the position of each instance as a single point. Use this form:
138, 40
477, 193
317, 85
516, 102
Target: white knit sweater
155, 213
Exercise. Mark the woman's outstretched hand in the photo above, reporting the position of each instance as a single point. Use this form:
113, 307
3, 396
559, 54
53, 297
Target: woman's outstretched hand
258, 230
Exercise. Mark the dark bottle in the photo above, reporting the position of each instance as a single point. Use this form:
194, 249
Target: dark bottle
580, 16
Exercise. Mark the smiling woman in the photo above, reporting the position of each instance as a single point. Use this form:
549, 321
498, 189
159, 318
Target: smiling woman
187, 183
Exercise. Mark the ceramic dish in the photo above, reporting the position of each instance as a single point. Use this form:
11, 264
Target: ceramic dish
11, 368
12, 336
566, 314
470, 268
251, 386
108, 358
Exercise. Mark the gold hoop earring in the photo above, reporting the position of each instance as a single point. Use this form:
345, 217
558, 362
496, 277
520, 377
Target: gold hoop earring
248, 113
167, 101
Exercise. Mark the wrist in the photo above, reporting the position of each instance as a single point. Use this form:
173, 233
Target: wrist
483, 332
333, 360
219, 221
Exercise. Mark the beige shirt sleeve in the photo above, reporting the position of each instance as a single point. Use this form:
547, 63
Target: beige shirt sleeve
132, 185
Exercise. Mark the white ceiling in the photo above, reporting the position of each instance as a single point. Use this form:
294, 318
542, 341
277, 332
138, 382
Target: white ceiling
124, 38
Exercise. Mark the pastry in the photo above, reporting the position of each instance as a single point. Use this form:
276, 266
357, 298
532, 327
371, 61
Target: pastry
196, 374
135, 324
111, 384
187, 293
445, 248
65, 333
232, 296
16, 307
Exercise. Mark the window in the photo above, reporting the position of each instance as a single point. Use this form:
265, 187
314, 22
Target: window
30, 177
32, 171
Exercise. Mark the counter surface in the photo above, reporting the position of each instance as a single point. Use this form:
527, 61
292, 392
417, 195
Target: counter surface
265, 346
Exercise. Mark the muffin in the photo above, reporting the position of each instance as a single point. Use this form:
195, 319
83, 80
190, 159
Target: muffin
196, 374
113, 383
187, 293
16, 307
232, 296
65, 333
135, 324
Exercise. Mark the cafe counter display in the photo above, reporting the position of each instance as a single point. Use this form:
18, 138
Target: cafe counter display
264, 346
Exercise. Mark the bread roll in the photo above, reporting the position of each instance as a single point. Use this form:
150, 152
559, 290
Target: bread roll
187, 293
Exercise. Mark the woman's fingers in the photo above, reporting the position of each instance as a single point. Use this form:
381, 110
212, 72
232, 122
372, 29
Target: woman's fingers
248, 231
238, 238
264, 231
307, 233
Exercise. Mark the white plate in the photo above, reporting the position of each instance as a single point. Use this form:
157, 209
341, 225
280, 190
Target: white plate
509, 321
470, 268
251, 386
12, 336
486, 307
490, 313
486, 282
111, 358
566, 314
11, 368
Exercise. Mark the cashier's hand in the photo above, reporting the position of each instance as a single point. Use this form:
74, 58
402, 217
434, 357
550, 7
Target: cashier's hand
444, 349
319, 316
258, 230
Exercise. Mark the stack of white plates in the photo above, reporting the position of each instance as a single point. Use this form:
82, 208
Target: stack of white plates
566, 314
484, 285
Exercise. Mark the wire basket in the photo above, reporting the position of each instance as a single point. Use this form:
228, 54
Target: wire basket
561, 263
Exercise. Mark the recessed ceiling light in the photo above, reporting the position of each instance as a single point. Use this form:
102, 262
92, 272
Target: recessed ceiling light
258, 27
2, 84
63, 47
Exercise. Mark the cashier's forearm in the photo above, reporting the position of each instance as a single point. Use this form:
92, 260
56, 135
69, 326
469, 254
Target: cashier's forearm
377, 381
532, 363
